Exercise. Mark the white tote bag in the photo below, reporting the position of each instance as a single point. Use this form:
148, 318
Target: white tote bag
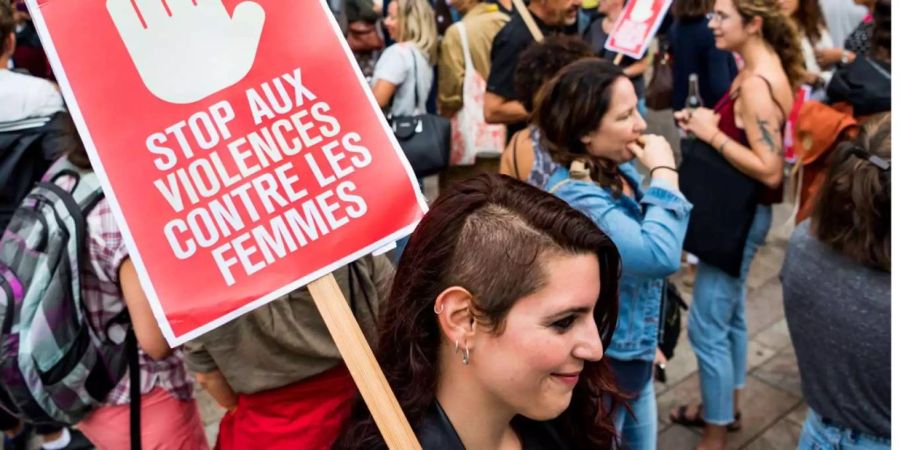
471, 136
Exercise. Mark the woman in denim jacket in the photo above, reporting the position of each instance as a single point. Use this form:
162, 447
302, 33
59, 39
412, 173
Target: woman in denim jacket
591, 129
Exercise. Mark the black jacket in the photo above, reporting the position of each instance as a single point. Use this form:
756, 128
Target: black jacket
865, 83
437, 433
25, 155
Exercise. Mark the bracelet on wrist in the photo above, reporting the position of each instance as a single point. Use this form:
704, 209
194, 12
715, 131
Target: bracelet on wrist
662, 167
721, 147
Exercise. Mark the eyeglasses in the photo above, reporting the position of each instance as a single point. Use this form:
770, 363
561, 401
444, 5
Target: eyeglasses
716, 17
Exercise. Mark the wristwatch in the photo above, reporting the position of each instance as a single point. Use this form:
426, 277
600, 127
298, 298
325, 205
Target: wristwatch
845, 57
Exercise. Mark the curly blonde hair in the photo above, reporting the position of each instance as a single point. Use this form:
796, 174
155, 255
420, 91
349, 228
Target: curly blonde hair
417, 25
779, 32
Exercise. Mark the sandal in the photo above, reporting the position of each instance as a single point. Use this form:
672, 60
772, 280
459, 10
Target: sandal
735, 425
697, 421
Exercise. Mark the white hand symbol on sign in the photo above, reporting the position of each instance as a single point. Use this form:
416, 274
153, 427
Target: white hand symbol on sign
642, 11
185, 50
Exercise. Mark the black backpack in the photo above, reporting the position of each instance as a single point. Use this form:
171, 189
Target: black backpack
25, 155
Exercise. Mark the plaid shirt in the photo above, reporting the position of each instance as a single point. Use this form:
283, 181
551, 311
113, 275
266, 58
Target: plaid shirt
103, 301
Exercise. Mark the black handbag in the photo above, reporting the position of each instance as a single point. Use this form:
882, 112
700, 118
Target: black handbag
424, 138
671, 307
724, 202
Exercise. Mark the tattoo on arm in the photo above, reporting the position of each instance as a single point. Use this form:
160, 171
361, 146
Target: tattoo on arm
767, 137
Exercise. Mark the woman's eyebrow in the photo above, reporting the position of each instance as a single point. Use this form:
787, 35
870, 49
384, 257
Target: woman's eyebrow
574, 310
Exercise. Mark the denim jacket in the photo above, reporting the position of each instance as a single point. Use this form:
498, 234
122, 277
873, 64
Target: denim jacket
649, 234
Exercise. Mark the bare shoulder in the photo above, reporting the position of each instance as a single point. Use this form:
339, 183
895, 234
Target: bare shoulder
518, 157
768, 89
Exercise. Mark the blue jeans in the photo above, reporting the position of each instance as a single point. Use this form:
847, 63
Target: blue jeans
817, 435
717, 328
639, 432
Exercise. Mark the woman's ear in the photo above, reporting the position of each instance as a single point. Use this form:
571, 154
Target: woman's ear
754, 26
586, 139
454, 308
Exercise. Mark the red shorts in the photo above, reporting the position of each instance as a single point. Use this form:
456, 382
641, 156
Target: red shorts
304, 415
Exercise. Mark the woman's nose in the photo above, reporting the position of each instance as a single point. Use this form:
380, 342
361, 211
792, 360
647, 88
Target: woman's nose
589, 347
640, 124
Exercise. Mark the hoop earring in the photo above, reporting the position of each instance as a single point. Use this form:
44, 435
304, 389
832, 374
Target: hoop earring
456, 347
438, 311
466, 355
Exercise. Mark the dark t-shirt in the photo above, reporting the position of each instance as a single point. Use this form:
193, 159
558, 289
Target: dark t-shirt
509, 43
596, 37
839, 316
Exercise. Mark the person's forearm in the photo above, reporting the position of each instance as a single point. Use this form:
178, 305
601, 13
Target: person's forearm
219, 389
744, 159
499, 109
637, 68
505, 111
666, 175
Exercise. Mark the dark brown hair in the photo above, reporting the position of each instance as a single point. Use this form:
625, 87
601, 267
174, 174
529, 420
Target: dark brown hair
853, 211
571, 106
541, 61
7, 25
76, 153
491, 235
691, 9
881, 31
808, 18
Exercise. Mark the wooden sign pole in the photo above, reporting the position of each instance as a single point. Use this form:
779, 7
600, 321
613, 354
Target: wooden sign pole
361, 362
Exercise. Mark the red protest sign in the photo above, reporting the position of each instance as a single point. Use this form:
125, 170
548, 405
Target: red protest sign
237, 144
636, 26
790, 127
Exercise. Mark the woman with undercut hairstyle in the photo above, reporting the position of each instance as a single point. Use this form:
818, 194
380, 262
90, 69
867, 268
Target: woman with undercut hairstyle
494, 332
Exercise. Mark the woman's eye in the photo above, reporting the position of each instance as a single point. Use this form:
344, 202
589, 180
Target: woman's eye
564, 324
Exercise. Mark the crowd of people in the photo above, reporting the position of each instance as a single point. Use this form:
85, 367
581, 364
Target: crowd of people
525, 311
